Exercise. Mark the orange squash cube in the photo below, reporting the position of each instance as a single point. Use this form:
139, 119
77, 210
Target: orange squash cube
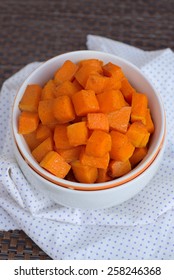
30, 99
119, 168
45, 111
63, 109
98, 121
119, 120
113, 70
55, 164
127, 90
139, 107
66, 72
85, 102
32, 140
110, 100
28, 122
60, 137
71, 154
138, 134
149, 122
98, 162
121, 149
103, 176
48, 91
85, 70
66, 88
43, 132
138, 155
77, 133
83, 173
41, 150
98, 144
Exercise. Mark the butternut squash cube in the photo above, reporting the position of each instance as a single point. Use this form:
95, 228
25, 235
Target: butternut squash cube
55, 164
119, 168
119, 120
48, 91
85, 102
83, 173
113, 70
85, 70
28, 122
103, 176
149, 122
138, 155
60, 137
71, 154
66, 88
110, 100
139, 107
138, 134
98, 121
98, 144
121, 149
63, 109
127, 90
77, 133
45, 111
41, 150
43, 132
65, 72
98, 162
30, 99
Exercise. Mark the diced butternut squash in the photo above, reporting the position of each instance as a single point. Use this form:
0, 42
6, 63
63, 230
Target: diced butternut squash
98, 144
138, 134
43, 132
98, 162
121, 149
66, 72
139, 107
77, 133
55, 164
119, 168
138, 155
100, 83
71, 154
28, 122
32, 140
30, 98
119, 120
66, 88
84, 173
85, 102
45, 111
63, 109
48, 91
40, 151
103, 176
98, 121
113, 70
60, 137
85, 70
77, 85
110, 100
149, 122
127, 90
92, 62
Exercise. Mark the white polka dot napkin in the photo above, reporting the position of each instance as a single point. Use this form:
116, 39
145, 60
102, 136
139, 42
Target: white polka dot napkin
141, 228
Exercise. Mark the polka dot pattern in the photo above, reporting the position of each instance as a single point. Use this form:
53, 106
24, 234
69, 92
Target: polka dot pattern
140, 228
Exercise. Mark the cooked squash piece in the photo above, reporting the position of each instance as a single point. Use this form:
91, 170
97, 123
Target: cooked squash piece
119, 120
113, 70
71, 154
85, 102
43, 132
48, 91
42, 149
60, 137
127, 90
98, 121
138, 155
45, 111
119, 168
66, 88
63, 109
98, 162
84, 173
55, 164
66, 72
77, 133
28, 122
103, 176
30, 99
149, 122
121, 149
138, 134
85, 70
110, 101
139, 107
98, 144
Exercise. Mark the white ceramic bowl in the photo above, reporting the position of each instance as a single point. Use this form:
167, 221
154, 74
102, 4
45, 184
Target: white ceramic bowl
118, 186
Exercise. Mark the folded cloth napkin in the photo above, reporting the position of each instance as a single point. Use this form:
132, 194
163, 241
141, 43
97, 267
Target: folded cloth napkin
140, 228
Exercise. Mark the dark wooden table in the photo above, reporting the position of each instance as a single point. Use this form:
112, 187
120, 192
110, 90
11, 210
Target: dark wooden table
37, 30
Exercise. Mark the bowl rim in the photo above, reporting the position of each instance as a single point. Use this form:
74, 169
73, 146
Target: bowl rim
76, 185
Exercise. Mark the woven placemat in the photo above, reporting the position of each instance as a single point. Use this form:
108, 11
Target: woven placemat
38, 30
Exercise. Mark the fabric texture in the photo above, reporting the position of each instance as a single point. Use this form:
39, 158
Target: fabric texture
140, 228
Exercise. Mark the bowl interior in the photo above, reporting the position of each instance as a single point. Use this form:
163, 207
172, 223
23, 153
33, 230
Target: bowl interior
46, 71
